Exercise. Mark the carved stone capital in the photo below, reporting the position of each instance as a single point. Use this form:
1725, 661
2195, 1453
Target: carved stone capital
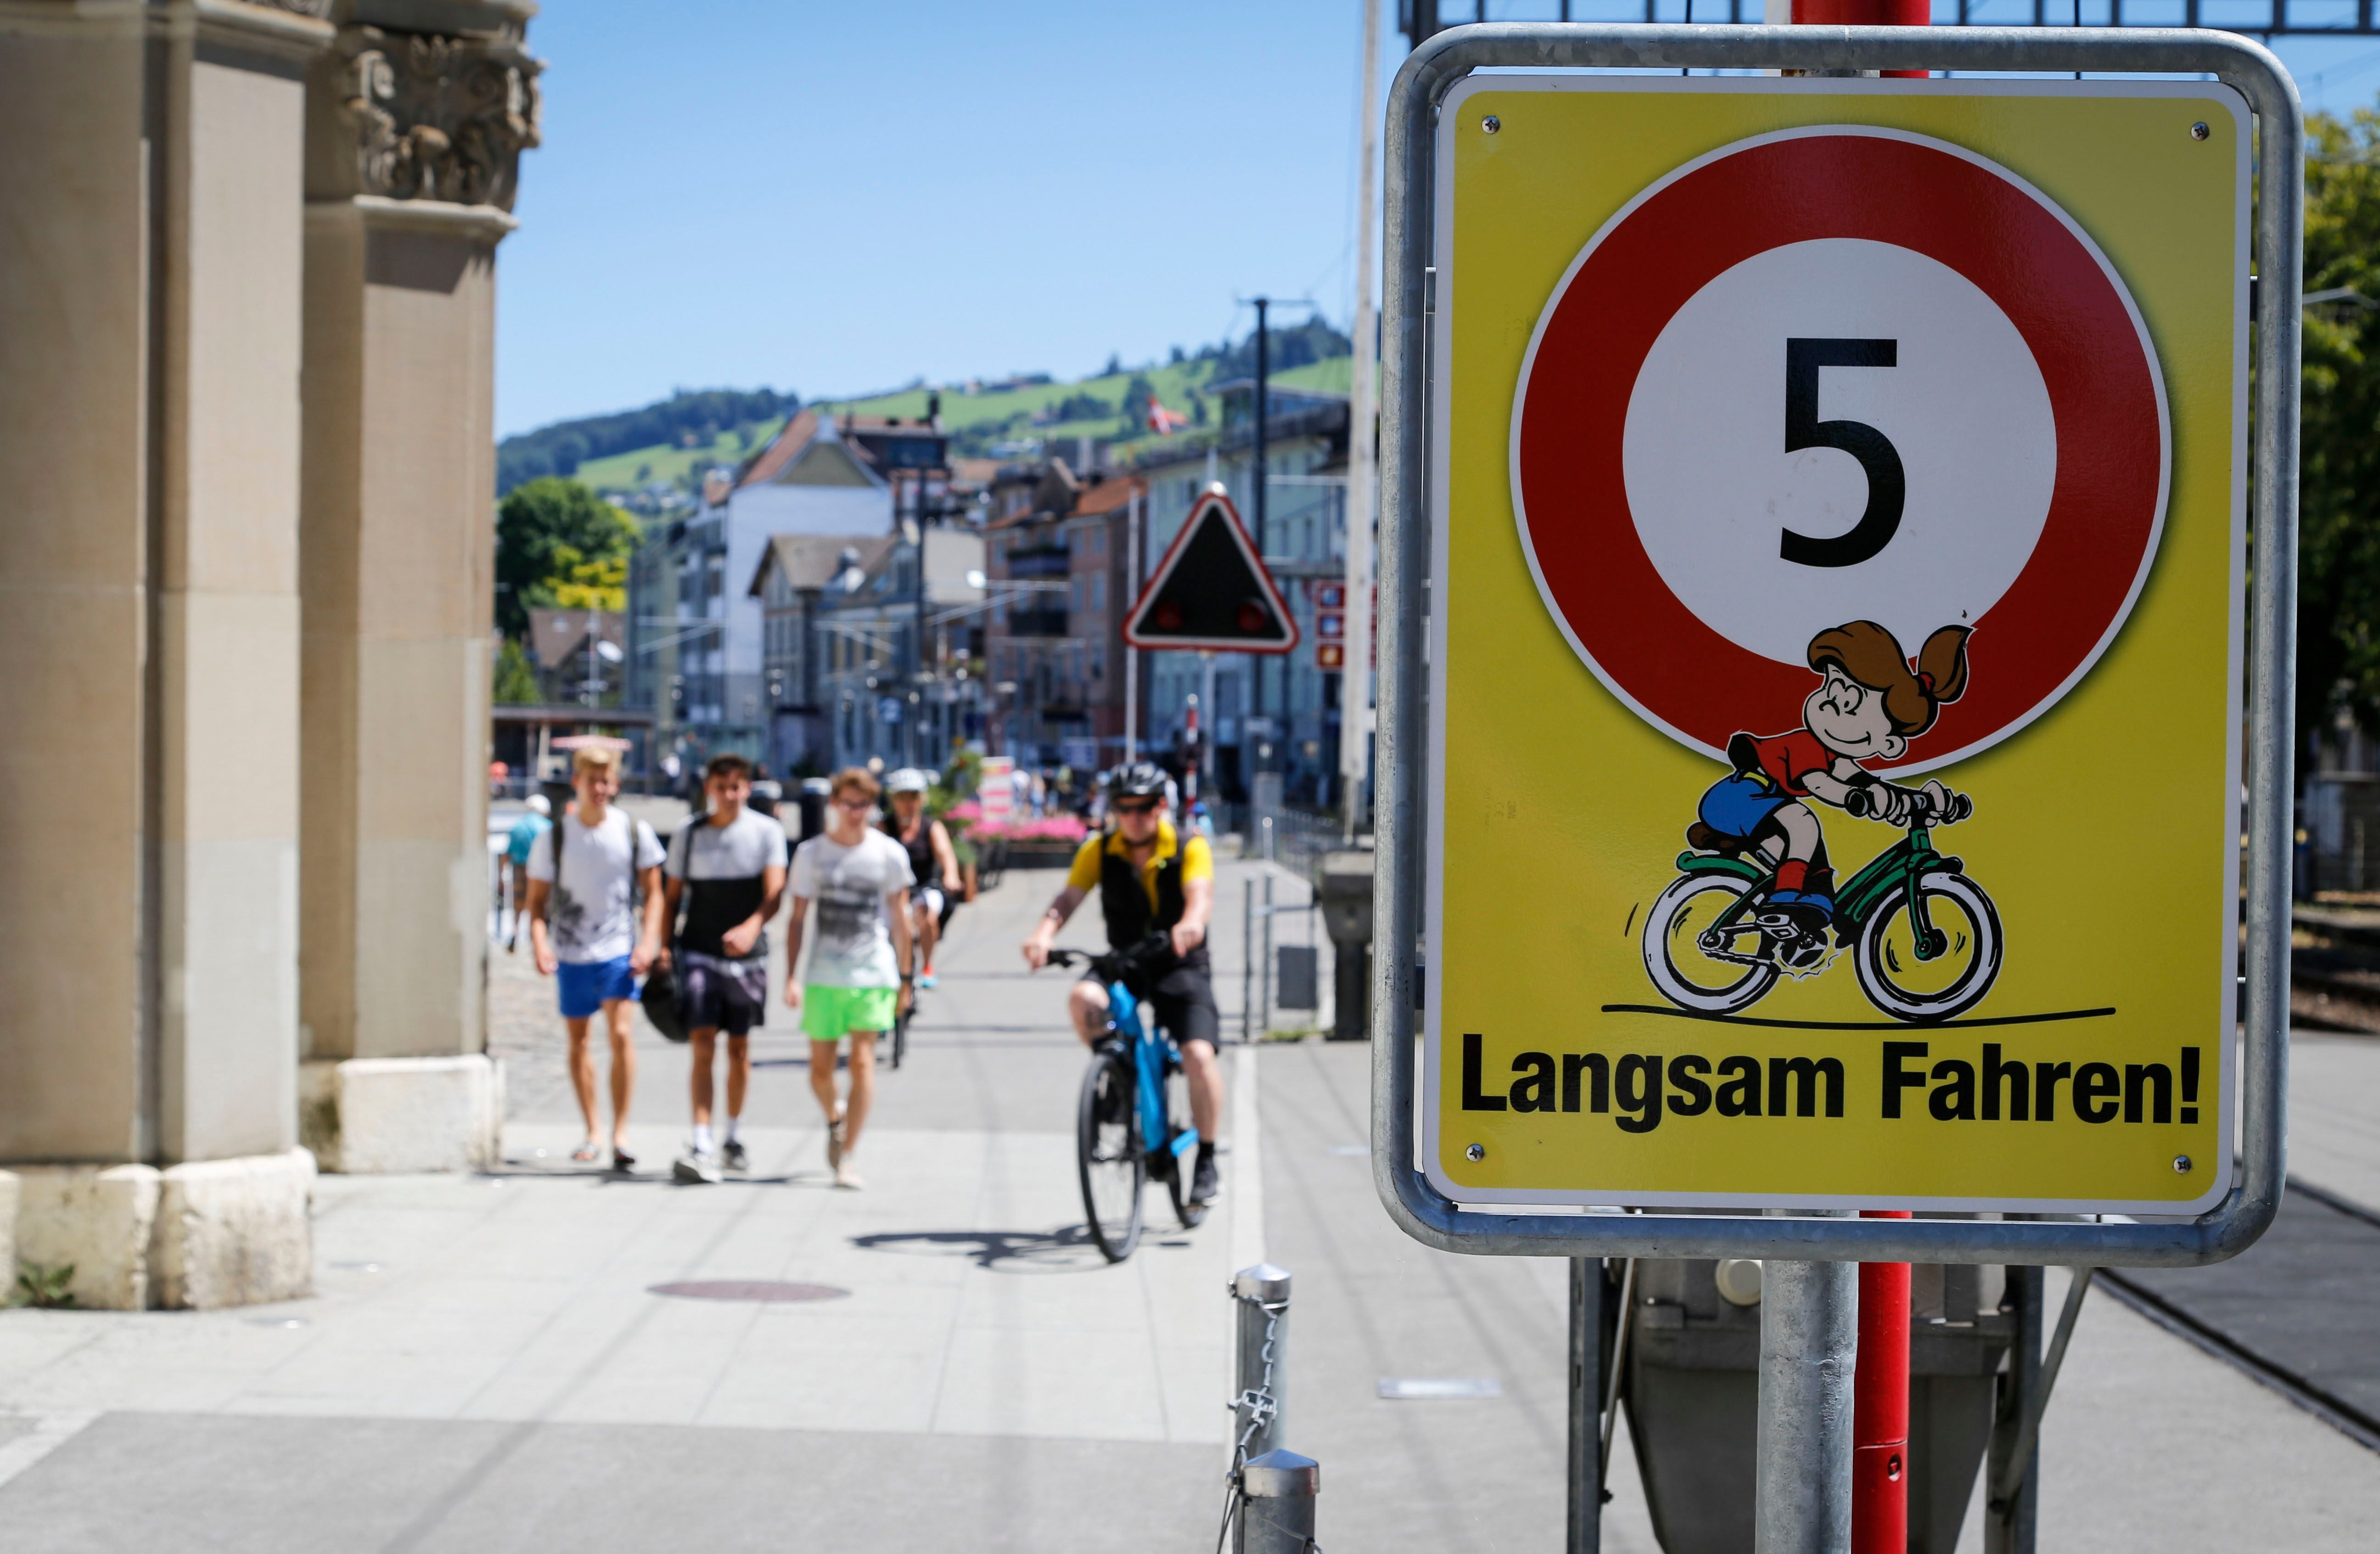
415, 116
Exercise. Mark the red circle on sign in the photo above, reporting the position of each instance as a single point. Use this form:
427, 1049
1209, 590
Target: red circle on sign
2106, 396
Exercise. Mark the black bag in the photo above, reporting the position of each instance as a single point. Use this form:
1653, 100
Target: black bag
659, 999
660, 996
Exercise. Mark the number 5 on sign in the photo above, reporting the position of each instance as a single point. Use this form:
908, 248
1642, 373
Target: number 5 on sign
1840, 591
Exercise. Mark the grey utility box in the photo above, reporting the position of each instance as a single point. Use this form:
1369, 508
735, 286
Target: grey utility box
1342, 881
1693, 1382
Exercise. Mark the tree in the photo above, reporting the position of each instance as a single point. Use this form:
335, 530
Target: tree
2338, 533
558, 543
1136, 395
515, 681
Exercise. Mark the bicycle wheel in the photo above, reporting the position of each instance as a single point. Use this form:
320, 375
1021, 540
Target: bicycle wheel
1175, 1166
1108, 1154
1682, 964
1966, 952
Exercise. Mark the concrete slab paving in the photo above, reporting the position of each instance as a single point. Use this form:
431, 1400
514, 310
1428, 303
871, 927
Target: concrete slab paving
486, 1364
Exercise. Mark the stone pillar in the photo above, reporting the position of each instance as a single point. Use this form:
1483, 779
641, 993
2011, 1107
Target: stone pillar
149, 268
413, 143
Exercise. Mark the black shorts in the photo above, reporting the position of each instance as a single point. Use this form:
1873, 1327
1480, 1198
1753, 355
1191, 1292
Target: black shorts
714, 993
1184, 1003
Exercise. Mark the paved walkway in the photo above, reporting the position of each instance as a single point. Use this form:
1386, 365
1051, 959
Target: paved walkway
487, 1364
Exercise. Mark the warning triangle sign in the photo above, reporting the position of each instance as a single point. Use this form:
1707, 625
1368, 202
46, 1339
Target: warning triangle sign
1210, 593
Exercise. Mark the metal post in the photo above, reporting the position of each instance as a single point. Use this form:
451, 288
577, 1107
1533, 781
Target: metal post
1809, 1334
1132, 654
1260, 1297
1276, 1512
1585, 1457
1880, 1408
2026, 1459
1247, 959
2009, 1523
1264, 977
1363, 456
1256, 483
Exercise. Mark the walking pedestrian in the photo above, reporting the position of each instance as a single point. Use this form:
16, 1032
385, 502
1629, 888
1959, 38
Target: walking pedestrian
934, 889
584, 929
859, 981
728, 869
535, 821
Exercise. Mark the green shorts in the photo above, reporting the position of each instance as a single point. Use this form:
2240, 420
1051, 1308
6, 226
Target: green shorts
829, 1012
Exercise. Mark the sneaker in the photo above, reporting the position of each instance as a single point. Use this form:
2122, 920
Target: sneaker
925, 978
847, 1177
834, 1142
733, 1158
696, 1166
1205, 1185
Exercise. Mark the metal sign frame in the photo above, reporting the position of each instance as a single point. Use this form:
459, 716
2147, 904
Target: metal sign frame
1404, 549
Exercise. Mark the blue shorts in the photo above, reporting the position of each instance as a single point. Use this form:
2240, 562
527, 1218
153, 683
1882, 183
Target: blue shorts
586, 988
1737, 805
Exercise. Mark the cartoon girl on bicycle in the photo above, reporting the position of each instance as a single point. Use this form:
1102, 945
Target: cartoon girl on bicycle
1870, 702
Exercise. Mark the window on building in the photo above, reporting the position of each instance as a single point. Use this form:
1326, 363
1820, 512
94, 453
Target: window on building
1098, 590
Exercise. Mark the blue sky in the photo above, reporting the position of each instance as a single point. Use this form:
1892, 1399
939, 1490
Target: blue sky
837, 197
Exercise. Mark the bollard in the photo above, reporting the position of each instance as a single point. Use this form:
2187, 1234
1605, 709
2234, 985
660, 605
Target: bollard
1261, 1294
1277, 1494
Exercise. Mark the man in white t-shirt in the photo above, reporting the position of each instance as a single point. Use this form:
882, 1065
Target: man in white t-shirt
728, 869
583, 926
858, 978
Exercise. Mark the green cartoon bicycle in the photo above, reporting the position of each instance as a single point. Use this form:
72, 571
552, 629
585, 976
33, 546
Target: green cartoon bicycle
1925, 938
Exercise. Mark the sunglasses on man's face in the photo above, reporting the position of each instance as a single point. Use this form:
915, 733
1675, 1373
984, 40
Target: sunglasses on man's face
1136, 807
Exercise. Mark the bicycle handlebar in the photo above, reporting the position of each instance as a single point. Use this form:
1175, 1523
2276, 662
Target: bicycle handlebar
1861, 804
1128, 966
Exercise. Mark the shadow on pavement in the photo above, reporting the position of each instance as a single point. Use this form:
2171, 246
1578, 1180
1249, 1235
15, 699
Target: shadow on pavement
1069, 1250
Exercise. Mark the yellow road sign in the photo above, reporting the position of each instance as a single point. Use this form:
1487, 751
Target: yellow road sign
1837, 651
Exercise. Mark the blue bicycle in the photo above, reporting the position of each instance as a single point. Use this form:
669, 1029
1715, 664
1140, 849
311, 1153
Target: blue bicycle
1127, 1124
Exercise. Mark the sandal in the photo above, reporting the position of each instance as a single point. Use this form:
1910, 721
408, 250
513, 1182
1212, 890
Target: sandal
588, 1153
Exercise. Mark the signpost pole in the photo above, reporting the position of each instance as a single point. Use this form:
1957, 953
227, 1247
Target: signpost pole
1355, 658
1585, 1527
1809, 1348
1880, 1407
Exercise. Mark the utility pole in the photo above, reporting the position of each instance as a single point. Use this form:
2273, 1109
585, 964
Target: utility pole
1421, 20
1131, 654
1256, 483
1362, 453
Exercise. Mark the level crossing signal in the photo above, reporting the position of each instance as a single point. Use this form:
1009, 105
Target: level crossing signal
1210, 591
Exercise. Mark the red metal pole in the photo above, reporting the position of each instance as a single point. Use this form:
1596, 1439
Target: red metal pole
1880, 1408
1863, 13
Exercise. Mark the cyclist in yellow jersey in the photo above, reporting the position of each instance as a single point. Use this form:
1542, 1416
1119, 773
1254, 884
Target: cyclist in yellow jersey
1151, 877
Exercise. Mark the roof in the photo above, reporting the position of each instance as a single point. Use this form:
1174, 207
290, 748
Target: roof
811, 560
1111, 495
556, 636
772, 459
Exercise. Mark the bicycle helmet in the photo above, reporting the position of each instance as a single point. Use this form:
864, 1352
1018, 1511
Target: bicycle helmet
908, 779
1140, 780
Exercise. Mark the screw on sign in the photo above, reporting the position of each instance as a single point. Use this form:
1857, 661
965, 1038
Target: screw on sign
1843, 588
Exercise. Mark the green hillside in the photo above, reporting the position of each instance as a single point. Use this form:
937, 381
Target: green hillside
1108, 405
640, 468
